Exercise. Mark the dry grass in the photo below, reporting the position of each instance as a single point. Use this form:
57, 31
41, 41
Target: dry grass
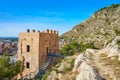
112, 63
103, 55
91, 57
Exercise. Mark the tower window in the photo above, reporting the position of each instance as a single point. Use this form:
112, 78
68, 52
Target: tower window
48, 50
28, 48
27, 65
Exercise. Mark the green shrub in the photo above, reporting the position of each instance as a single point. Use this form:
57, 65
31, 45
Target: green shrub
110, 7
118, 42
75, 47
102, 9
117, 32
114, 5
66, 50
72, 64
83, 47
9, 69
66, 69
44, 77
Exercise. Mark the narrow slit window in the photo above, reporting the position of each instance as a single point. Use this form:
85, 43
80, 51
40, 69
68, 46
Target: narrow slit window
28, 48
48, 50
27, 65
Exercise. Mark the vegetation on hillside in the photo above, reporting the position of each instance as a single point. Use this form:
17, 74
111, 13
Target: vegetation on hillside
117, 32
95, 31
9, 69
101, 27
75, 47
63, 67
110, 7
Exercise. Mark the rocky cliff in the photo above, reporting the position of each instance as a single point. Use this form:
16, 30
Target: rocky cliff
100, 28
103, 64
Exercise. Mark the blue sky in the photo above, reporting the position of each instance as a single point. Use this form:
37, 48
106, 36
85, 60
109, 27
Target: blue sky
18, 15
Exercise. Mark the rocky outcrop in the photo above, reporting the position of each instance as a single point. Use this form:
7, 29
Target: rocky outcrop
64, 65
103, 26
103, 64
114, 46
78, 69
52, 76
105, 60
90, 65
87, 72
81, 58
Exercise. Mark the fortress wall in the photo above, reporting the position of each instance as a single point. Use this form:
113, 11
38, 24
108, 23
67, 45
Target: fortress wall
39, 43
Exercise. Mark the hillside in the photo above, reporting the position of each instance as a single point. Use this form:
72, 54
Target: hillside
100, 28
103, 64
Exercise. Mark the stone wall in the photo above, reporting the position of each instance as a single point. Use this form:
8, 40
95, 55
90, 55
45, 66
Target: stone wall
40, 44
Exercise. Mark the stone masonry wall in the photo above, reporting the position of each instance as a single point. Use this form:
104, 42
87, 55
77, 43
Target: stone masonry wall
39, 43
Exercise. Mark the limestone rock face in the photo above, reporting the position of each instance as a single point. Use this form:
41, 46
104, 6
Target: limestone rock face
87, 72
103, 26
78, 61
113, 48
89, 52
91, 64
52, 76
119, 58
83, 57
64, 65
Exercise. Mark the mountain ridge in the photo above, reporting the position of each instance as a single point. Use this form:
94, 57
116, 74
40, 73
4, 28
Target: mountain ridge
101, 28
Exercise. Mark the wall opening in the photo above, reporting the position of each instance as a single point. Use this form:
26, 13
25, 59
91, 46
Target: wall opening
28, 48
48, 50
27, 65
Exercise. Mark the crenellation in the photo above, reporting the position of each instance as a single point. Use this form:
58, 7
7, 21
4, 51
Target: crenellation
47, 31
33, 30
39, 31
28, 30
54, 31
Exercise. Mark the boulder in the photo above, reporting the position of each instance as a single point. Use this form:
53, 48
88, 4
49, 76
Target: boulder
64, 65
53, 76
87, 72
113, 48
83, 57
78, 61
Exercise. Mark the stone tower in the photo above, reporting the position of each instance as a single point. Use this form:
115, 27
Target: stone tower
34, 46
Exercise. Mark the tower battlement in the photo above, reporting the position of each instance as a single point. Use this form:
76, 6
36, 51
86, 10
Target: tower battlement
38, 31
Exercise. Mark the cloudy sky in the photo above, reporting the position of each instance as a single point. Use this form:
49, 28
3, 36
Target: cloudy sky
18, 15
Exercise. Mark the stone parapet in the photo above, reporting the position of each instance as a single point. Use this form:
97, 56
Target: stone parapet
47, 31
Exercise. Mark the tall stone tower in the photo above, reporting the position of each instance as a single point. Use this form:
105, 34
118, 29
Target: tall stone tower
34, 46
